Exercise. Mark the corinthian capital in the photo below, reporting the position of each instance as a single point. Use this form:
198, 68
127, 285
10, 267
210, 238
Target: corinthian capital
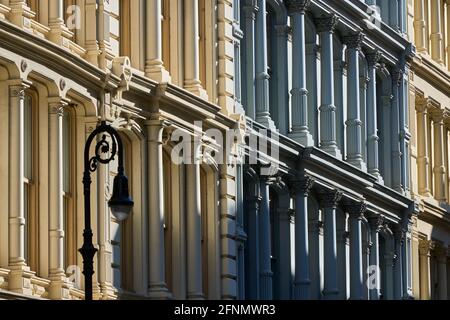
294, 6
356, 209
373, 58
302, 186
327, 24
354, 41
331, 199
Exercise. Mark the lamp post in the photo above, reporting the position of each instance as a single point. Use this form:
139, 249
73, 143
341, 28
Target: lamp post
120, 202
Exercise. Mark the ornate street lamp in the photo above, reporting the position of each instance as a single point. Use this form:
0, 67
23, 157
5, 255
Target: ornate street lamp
120, 202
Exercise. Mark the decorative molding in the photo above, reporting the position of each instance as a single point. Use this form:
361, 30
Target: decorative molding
354, 41
331, 199
302, 186
327, 24
373, 58
297, 6
356, 209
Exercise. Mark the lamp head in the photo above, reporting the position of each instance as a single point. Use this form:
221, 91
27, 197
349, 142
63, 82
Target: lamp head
120, 202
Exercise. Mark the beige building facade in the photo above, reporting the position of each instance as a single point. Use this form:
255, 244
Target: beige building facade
149, 68
429, 29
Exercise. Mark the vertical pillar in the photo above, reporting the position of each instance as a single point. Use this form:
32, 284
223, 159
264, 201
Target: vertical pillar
374, 259
356, 214
441, 254
326, 26
194, 233
58, 31
439, 167
283, 273
20, 14
248, 91
19, 278
281, 74
90, 27
55, 161
354, 135
192, 61
154, 67
265, 272
425, 271
437, 39
252, 247
261, 68
302, 281
396, 155
394, 14
398, 260
420, 30
157, 281
447, 31
423, 161
300, 130
372, 121
330, 202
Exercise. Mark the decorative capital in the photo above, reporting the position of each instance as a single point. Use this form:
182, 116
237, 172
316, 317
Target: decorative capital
299, 6
354, 41
357, 209
331, 199
425, 246
377, 223
302, 186
327, 24
373, 58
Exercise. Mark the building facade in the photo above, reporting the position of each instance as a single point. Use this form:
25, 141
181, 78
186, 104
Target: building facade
270, 147
428, 25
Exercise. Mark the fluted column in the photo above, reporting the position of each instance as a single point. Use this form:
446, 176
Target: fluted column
261, 68
16, 174
154, 67
326, 26
157, 281
396, 154
439, 167
372, 119
56, 219
398, 268
281, 74
329, 203
374, 259
302, 282
252, 247
423, 160
354, 135
265, 272
437, 38
425, 271
420, 30
19, 279
58, 31
300, 130
194, 232
441, 254
192, 61
248, 93
356, 214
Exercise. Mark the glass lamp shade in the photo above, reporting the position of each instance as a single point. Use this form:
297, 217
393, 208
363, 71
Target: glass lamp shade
120, 202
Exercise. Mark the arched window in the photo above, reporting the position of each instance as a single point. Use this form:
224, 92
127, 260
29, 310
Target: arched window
30, 155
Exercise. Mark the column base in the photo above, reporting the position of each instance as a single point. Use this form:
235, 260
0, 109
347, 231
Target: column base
106, 291
267, 122
159, 291
195, 296
332, 150
59, 287
302, 290
19, 280
304, 138
159, 74
197, 89
330, 294
358, 163
59, 34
